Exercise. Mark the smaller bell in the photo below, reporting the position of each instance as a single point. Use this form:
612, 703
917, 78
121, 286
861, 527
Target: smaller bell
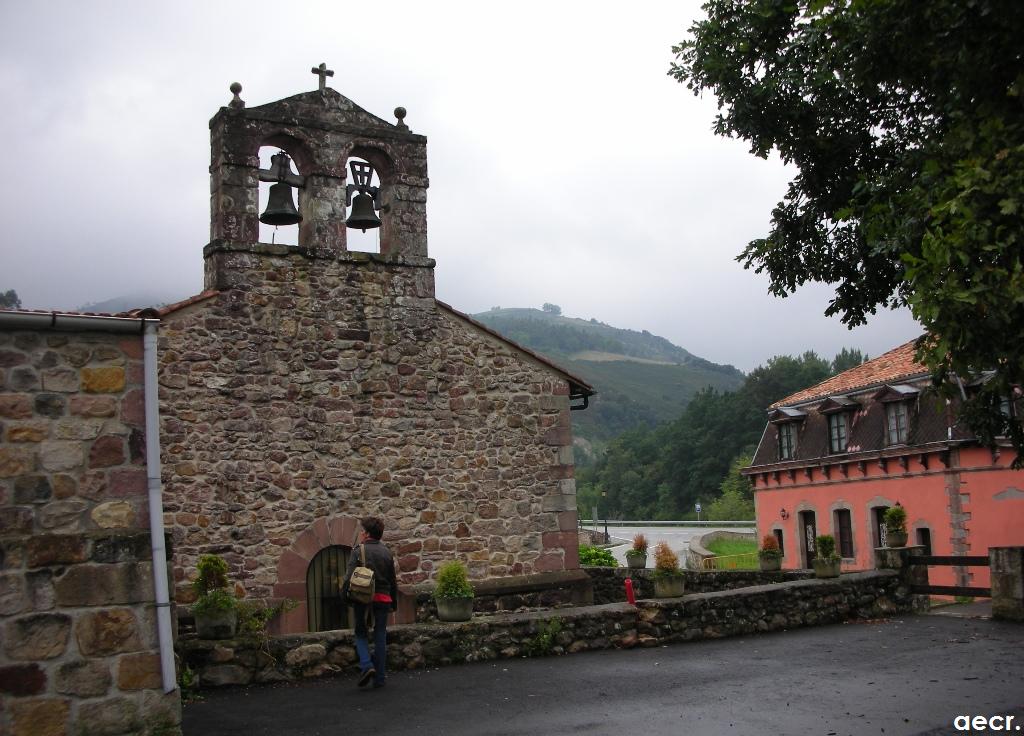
280, 207
363, 216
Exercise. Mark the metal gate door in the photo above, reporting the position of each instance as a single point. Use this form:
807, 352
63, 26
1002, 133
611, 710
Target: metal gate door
807, 522
323, 590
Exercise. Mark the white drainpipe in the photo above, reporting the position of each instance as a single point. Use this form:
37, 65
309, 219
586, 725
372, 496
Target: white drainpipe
129, 325
156, 509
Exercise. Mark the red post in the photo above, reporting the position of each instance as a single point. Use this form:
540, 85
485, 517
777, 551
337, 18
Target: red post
630, 595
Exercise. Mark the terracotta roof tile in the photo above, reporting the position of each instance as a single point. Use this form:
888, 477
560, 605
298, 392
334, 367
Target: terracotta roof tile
894, 365
170, 308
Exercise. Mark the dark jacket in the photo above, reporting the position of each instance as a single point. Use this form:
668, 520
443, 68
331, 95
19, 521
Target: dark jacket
378, 559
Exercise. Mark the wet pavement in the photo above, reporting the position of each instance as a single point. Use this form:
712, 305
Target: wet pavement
898, 677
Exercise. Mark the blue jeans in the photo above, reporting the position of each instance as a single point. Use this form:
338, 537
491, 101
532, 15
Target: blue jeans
380, 612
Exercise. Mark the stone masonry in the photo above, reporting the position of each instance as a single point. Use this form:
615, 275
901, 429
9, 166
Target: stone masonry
78, 650
310, 385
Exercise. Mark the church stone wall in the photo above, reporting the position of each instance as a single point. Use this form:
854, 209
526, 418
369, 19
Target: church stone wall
78, 648
312, 391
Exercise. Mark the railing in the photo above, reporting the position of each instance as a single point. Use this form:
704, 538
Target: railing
951, 561
617, 522
745, 561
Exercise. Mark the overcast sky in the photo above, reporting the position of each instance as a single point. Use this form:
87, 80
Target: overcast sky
565, 165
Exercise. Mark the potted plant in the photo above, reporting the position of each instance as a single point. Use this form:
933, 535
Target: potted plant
636, 556
453, 593
770, 556
895, 526
216, 608
827, 563
669, 580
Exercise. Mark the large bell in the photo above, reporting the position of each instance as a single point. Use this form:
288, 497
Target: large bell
363, 216
280, 207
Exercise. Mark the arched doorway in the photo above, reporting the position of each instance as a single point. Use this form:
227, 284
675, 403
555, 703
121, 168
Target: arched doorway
324, 607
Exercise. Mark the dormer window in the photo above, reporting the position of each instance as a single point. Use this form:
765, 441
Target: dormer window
785, 420
838, 410
787, 441
897, 415
896, 422
838, 435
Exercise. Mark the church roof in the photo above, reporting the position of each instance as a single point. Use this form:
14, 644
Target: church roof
893, 366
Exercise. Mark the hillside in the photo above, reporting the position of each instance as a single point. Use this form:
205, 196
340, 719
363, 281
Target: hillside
641, 379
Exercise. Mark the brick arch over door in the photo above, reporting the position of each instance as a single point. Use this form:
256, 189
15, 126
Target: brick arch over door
294, 562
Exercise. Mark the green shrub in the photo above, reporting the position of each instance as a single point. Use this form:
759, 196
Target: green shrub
596, 557
896, 519
216, 601
544, 642
827, 547
212, 574
453, 581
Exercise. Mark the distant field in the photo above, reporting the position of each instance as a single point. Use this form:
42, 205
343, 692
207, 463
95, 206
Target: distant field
599, 357
723, 547
728, 548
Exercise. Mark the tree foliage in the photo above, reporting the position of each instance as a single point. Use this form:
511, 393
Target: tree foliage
9, 300
552, 309
905, 123
660, 473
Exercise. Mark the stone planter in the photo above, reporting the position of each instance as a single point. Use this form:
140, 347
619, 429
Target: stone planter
218, 625
895, 539
827, 568
772, 563
454, 609
636, 562
669, 587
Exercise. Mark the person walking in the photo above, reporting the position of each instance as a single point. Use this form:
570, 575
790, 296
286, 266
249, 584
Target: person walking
385, 600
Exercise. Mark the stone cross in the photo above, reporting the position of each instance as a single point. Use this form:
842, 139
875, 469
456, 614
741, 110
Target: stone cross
323, 72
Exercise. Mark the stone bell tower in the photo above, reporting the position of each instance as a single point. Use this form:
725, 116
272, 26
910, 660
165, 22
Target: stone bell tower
321, 131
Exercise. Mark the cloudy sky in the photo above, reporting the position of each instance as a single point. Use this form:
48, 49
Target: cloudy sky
565, 165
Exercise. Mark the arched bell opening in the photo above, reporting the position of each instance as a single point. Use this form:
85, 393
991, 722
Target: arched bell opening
326, 611
382, 178
364, 208
278, 199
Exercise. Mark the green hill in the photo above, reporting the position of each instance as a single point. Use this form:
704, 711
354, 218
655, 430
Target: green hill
642, 379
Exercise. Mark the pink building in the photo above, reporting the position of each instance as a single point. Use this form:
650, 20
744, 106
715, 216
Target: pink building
835, 456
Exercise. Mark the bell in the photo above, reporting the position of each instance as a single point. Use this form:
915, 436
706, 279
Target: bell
363, 215
280, 208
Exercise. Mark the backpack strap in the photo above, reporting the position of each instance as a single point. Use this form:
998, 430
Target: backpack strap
362, 554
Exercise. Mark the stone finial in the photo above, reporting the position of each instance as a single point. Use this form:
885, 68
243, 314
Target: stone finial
400, 114
323, 72
236, 101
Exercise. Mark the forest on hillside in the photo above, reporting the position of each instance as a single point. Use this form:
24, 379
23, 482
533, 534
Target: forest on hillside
662, 472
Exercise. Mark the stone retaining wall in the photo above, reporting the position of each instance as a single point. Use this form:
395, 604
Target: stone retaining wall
771, 607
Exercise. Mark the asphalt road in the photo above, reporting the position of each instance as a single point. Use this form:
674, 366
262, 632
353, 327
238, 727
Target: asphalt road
899, 677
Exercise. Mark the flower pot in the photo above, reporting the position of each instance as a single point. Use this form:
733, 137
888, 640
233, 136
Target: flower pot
770, 564
454, 609
827, 568
669, 587
636, 562
895, 539
217, 624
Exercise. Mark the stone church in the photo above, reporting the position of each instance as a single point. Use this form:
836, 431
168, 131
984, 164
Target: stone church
304, 387
310, 385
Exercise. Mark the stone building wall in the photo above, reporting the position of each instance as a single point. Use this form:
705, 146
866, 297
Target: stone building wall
78, 645
306, 391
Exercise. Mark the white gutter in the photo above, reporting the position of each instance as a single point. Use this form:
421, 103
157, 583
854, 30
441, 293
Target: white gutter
156, 508
148, 329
